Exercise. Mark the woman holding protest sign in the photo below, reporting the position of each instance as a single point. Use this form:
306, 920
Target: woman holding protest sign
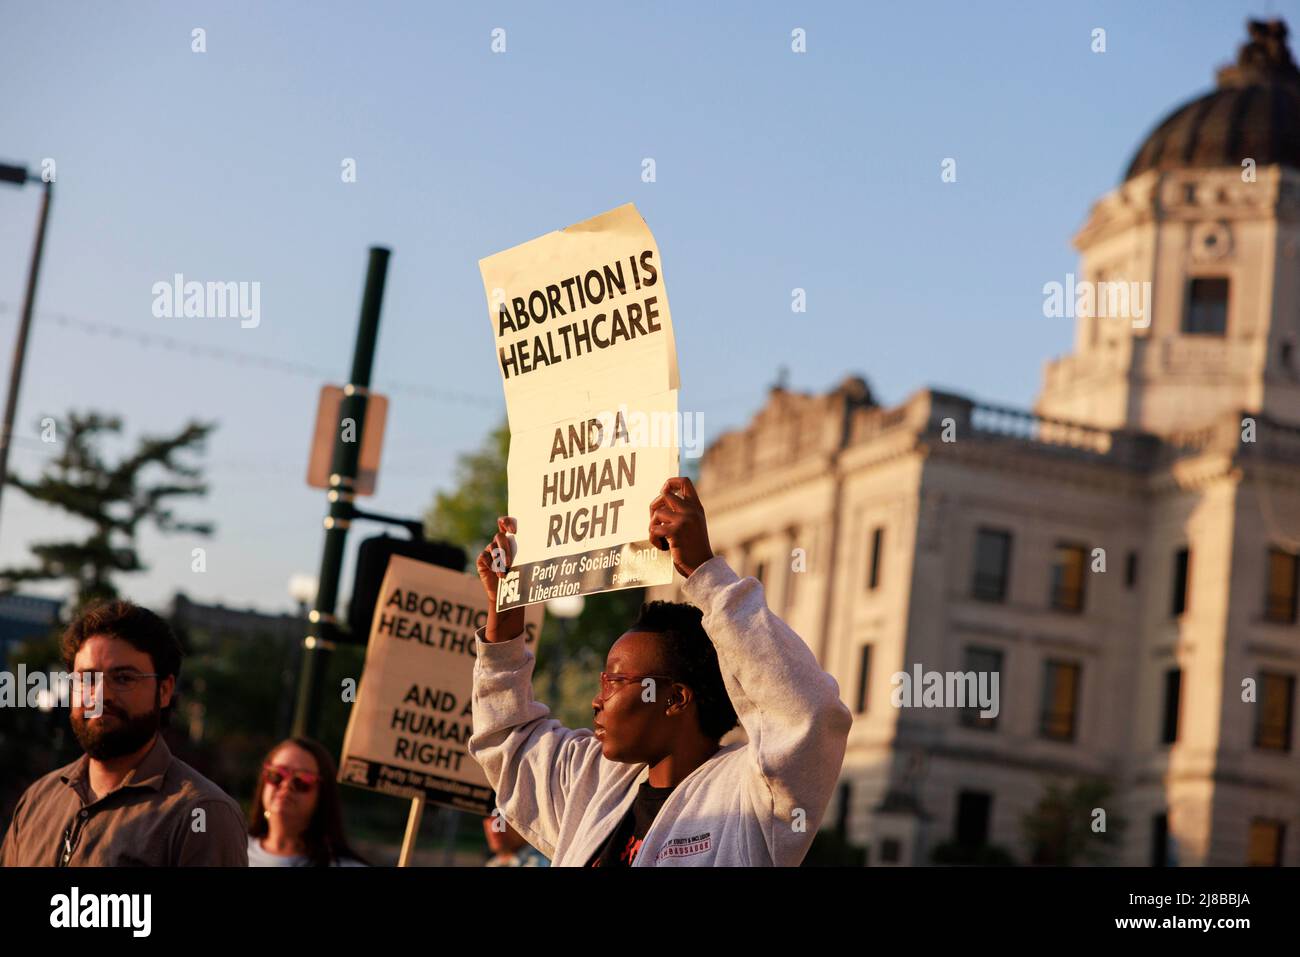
652, 784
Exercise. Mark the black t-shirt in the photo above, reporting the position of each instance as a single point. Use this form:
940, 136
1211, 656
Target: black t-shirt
621, 847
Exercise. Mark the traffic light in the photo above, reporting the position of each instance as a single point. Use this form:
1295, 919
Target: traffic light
372, 563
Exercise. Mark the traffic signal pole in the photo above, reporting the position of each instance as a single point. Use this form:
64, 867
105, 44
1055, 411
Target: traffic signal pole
319, 642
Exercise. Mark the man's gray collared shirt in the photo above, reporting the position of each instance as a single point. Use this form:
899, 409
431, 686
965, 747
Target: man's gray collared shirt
164, 814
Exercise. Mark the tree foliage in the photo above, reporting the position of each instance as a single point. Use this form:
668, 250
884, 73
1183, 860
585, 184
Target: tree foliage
467, 515
116, 498
1061, 829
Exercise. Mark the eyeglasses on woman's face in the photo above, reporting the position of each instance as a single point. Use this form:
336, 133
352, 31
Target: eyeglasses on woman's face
610, 682
300, 781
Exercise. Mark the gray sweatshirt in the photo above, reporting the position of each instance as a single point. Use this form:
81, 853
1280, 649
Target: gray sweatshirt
753, 803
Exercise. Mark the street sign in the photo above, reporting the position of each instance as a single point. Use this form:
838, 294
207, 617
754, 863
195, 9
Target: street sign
372, 440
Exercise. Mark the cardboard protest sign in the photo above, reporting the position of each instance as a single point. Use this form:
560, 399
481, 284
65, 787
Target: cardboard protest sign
588, 362
410, 725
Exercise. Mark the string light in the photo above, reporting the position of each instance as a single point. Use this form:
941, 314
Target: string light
269, 364
291, 367
236, 357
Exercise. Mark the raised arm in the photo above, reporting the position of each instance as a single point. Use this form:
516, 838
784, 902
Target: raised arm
789, 707
533, 762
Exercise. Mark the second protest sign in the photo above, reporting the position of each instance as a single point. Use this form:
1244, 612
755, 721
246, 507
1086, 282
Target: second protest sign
409, 729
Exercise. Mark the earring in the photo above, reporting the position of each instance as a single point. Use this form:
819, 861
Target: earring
267, 815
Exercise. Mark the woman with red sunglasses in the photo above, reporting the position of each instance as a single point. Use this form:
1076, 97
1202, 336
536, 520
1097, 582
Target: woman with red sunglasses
296, 819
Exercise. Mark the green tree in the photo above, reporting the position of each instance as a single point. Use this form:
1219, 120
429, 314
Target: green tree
1061, 829
115, 498
467, 516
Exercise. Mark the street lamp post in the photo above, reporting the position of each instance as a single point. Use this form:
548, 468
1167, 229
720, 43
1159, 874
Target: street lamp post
19, 176
302, 589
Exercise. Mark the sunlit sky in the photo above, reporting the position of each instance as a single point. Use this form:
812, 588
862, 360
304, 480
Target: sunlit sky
775, 170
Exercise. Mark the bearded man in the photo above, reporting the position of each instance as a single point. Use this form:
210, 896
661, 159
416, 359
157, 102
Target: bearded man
127, 801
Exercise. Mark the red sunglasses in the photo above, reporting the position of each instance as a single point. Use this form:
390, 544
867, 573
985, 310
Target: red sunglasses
300, 781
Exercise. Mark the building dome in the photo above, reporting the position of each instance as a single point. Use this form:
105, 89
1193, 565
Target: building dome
1255, 113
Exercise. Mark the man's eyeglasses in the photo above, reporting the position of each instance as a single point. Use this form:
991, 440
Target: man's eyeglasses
609, 683
119, 679
300, 781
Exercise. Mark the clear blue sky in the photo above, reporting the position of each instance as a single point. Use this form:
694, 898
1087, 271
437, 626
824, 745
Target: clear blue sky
775, 171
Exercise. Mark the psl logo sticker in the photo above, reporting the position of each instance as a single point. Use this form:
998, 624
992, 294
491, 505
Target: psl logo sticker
510, 587
356, 772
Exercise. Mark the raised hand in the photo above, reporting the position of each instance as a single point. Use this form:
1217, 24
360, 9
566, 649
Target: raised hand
677, 524
493, 563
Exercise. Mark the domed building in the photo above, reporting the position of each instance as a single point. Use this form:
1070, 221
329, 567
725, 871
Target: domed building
1206, 216
1102, 593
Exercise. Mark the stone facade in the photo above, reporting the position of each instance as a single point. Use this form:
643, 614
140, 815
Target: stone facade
1166, 461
